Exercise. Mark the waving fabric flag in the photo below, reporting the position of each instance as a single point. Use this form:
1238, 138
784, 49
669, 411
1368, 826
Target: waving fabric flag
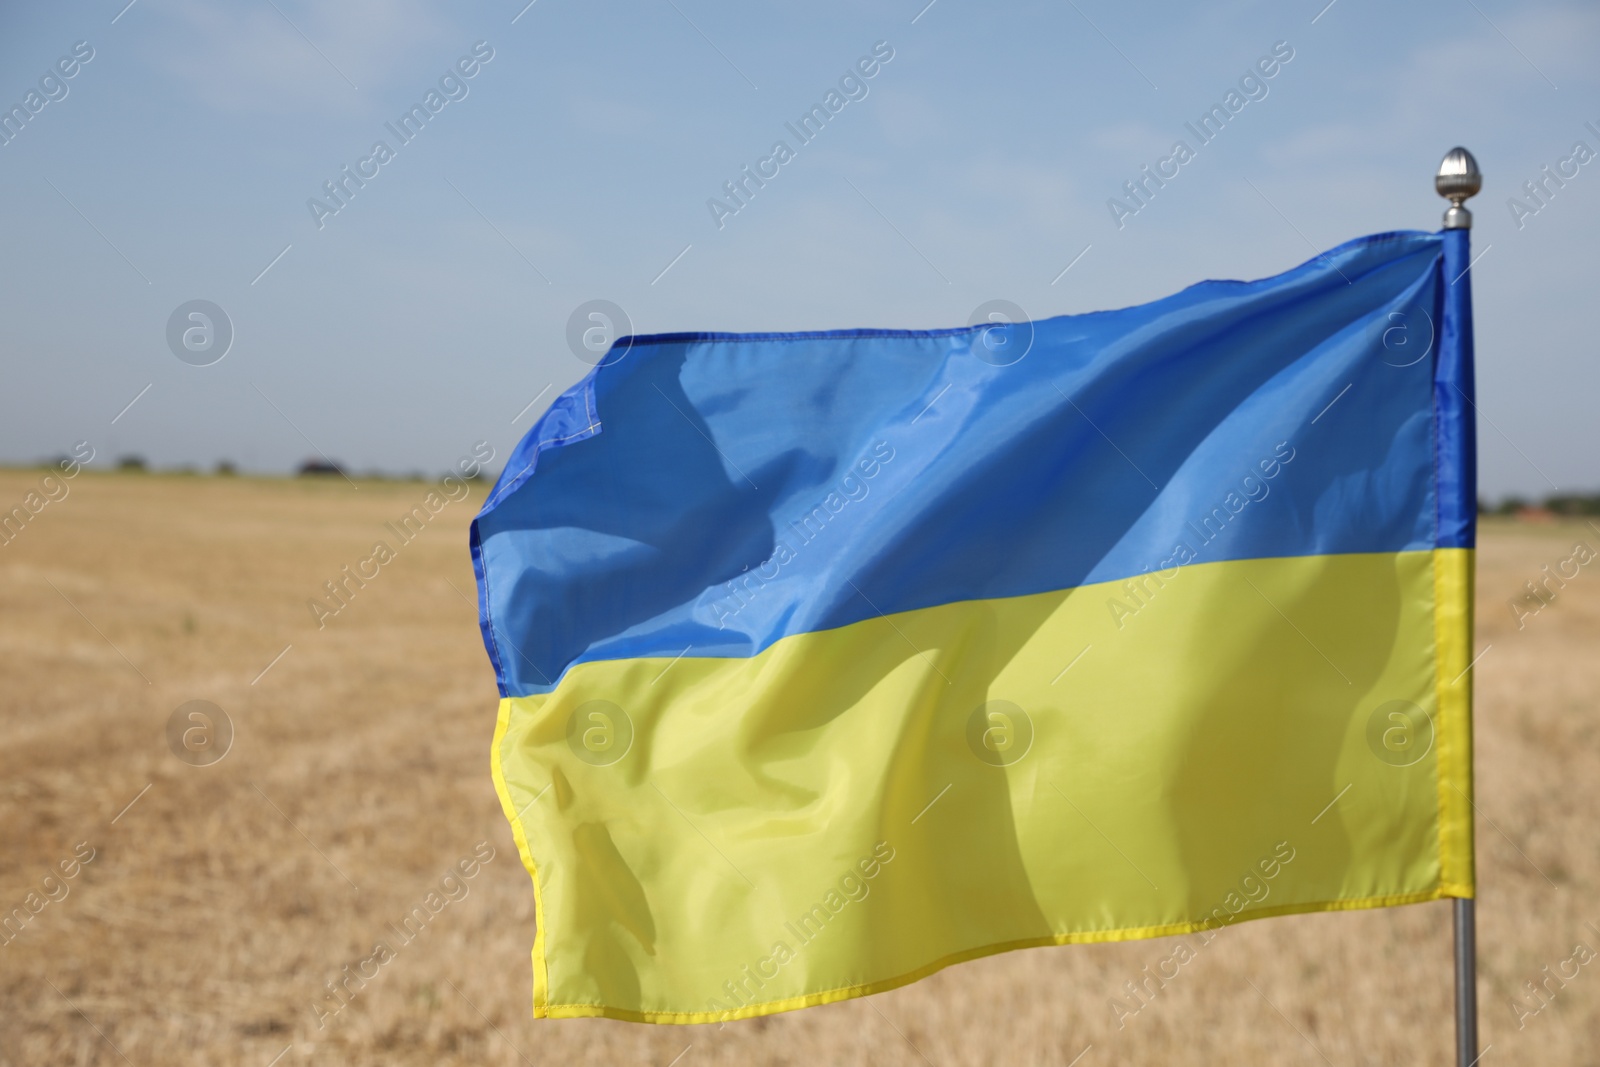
828, 660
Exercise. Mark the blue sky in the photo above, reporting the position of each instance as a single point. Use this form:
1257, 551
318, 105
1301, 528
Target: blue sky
577, 162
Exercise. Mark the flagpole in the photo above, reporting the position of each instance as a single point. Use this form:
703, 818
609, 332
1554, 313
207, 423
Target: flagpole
1459, 178
1466, 981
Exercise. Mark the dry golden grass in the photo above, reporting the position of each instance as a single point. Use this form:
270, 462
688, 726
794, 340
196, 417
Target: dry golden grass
218, 904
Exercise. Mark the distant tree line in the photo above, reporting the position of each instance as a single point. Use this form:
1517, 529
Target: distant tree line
312, 468
1572, 504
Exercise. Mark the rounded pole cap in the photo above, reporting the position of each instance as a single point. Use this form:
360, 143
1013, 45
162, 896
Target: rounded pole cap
1459, 176
1458, 179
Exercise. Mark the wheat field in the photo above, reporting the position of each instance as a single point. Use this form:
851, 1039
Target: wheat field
163, 912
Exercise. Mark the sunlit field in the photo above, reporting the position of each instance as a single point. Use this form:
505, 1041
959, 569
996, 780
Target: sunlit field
167, 910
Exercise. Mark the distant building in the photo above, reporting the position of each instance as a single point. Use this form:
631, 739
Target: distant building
313, 467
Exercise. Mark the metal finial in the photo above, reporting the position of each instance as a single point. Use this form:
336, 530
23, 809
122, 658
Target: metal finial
1458, 178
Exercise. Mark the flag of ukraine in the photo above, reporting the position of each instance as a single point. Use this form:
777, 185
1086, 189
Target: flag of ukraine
828, 660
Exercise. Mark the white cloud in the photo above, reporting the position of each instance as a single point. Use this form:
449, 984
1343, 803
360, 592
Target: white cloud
280, 57
1135, 140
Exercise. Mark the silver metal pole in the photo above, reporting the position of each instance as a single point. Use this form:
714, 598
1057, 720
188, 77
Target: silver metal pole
1458, 179
1466, 982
